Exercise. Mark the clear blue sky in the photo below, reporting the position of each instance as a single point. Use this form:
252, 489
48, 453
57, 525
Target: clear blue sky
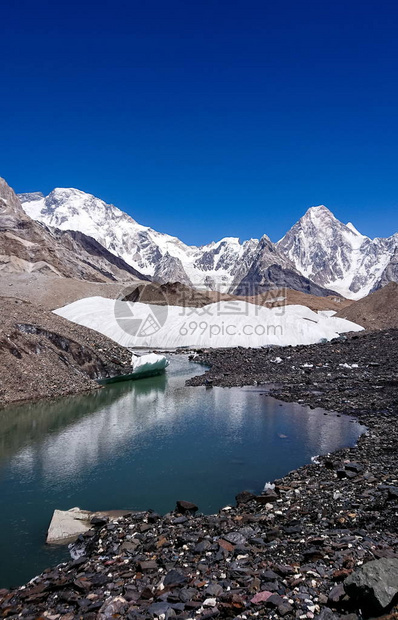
206, 119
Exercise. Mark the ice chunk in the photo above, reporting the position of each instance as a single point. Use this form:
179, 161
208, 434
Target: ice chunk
148, 363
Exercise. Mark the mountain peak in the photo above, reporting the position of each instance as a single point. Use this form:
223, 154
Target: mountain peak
318, 213
318, 209
351, 226
69, 193
69, 190
11, 210
231, 240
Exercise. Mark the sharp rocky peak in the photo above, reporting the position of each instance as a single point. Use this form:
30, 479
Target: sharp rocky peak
318, 216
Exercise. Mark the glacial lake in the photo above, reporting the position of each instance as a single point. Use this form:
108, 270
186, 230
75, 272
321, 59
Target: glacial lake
145, 444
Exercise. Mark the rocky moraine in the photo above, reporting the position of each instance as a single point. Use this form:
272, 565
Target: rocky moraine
322, 542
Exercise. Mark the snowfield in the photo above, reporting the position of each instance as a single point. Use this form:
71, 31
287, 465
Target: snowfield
224, 324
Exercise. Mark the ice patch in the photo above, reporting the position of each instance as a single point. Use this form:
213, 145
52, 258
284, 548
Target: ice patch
269, 485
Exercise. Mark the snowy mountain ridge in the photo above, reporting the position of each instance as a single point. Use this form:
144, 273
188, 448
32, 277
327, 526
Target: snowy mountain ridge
319, 252
154, 254
121, 234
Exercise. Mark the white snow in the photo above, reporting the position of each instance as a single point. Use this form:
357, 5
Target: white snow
216, 325
150, 362
351, 226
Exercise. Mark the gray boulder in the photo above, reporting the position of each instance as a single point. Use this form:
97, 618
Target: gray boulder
374, 586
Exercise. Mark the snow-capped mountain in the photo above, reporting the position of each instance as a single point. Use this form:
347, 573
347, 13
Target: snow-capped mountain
318, 255
220, 265
155, 254
337, 256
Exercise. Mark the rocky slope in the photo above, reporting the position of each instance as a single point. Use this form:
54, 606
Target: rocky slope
379, 310
251, 267
317, 253
177, 294
43, 355
51, 291
288, 297
27, 246
322, 544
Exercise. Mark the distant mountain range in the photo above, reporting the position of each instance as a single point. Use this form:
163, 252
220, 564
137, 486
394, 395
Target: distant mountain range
318, 255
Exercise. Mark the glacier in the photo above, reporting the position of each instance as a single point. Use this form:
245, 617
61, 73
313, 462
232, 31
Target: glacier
218, 325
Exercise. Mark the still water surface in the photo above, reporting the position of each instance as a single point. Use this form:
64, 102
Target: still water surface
145, 444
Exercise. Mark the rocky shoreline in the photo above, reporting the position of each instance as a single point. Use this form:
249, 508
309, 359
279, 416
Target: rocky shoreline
322, 543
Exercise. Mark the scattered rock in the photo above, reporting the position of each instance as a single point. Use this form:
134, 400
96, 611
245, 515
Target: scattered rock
174, 578
336, 595
261, 597
112, 608
244, 497
184, 507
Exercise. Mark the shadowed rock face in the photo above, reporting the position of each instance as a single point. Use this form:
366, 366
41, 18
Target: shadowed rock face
260, 280
270, 269
390, 273
84, 357
27, 246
